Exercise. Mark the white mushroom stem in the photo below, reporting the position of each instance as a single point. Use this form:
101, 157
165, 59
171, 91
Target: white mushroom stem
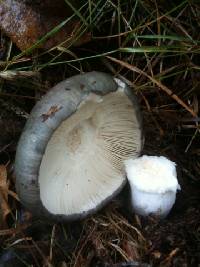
153, 182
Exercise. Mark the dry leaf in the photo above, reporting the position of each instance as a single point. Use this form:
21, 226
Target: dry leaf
131, 250
4, 207
99, 247
25, 22
157, 254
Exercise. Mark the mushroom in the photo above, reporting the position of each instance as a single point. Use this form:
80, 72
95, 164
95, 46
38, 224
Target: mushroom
153, 182
69, 159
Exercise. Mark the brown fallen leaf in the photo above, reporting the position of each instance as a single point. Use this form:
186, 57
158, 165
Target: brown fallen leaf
156, 254
100, 249
4, 185
25, 22
131, 250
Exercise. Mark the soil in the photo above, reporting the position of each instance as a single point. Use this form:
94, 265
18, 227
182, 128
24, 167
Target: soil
114, 237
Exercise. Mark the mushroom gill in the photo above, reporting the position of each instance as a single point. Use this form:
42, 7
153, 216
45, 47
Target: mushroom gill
83, 162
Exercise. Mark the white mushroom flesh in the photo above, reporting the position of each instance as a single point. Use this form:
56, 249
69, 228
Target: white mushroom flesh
83, 161
153, 183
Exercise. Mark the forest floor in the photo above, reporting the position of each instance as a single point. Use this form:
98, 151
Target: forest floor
153, 46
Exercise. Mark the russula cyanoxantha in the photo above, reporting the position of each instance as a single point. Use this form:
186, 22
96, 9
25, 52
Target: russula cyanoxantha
153, 183
69, 159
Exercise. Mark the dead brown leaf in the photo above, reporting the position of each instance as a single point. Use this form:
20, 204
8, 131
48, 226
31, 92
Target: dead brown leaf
131, 250
25, 22
157, 254
4, 185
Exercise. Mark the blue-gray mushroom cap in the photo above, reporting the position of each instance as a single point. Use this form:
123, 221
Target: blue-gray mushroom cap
69, 159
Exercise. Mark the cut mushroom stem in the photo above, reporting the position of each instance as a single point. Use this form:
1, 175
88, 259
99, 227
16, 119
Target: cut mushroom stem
153, 183
69, 160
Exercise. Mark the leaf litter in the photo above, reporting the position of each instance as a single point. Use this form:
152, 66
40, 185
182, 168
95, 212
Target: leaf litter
153, 47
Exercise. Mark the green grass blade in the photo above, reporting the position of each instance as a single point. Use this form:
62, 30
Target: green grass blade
156, 37
77, 13
153, 49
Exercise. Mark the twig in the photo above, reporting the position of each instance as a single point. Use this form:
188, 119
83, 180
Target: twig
132, 264
159, 84
52, 241
169, 258
14, 231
